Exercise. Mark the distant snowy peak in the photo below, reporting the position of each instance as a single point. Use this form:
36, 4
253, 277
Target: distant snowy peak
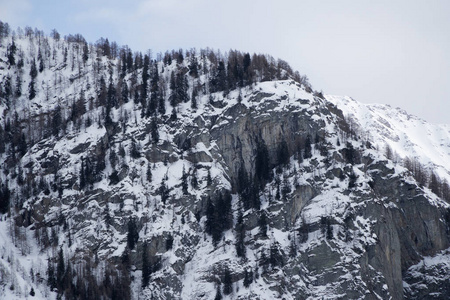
407, 135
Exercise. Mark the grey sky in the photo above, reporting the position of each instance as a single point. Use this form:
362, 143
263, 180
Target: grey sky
393, 52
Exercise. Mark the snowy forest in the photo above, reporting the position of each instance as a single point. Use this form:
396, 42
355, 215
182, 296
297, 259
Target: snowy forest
205, 174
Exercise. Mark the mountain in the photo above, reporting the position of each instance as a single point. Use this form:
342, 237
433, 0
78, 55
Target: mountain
406, 135
201, 175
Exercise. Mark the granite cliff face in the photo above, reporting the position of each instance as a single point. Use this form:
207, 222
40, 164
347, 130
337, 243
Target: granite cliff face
263, 191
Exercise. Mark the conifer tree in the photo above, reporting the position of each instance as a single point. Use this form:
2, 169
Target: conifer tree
85, 52
134, 151
5, 197
169, 242
129, 60
210, 215
388, 152
217, 231
350, 153
136, 97
154, 96
164, 190
445, 190
113, 157
262, 167
308, 149
193, 66
102, 92
194, 179
51, 277
276, 258
33, 69
285, 188
124, 91
123, 68
254, 194
145, 77
218, 81
172, 87
435, 185
133, 234
283, 153
41, 61
146, 268
149, 173
56, 120
82, 175
262, 223
218, 293
22, 146
154, 130
11, 53
194, 98
303, 232
7, 89
242, 180
107, 217
227, 283
240, 235
208, 178
248, 278
246, 62
18, 90
31, 90
180, 57
60, 270
173, 115
3, 137
179, 88
224, 216
161, 103
329, 230
184, 182
352, 179
111, 94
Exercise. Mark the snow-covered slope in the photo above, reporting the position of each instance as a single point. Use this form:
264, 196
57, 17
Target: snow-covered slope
407, 135
21, 265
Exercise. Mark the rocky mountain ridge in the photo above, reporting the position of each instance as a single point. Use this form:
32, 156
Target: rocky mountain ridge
196, 175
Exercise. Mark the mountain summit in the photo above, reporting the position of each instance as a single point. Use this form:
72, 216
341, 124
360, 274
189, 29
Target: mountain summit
201, 175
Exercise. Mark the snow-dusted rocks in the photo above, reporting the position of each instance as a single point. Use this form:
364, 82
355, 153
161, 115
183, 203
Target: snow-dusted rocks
260, 191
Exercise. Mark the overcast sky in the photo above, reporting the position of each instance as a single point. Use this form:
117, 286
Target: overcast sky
392, 52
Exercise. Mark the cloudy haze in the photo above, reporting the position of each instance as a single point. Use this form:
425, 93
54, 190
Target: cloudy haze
393, 52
